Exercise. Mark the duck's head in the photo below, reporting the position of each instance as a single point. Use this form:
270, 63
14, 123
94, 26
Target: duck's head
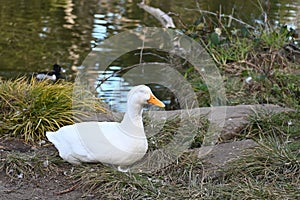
142, 95
56, 68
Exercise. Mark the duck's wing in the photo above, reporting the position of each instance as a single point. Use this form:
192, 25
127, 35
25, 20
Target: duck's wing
69, 143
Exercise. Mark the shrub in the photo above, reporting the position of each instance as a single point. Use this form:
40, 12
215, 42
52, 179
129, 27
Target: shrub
29, 108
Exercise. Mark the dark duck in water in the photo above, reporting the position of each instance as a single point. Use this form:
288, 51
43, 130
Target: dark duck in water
53, 75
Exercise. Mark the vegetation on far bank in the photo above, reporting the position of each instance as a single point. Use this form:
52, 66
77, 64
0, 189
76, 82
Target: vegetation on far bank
258, 66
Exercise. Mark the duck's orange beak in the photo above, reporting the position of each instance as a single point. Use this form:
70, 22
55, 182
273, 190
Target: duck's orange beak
153, 100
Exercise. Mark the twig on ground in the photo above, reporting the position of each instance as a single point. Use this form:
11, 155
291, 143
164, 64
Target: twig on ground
70, 189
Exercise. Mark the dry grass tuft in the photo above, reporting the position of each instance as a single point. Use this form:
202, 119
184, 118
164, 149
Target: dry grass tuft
29, 108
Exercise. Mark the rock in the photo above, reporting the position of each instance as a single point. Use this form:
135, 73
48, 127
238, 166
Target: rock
230, 119
216, 158
219, 155
236, 117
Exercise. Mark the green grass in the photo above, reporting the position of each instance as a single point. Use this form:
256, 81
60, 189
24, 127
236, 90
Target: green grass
275, 38
29, 108
264, 123
234, 51
270, 171
175, 180
175, 128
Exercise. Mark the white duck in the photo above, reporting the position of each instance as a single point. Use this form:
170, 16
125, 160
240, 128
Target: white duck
114, 143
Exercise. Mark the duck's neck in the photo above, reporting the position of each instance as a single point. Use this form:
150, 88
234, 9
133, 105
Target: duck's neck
132, 122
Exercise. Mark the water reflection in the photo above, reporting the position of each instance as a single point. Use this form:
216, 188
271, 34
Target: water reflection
100, 29
113, 91
42, 33
36, 34
69, 17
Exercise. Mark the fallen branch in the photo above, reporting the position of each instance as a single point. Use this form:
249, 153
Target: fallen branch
163, 17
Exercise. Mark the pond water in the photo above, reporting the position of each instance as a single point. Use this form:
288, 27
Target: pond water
35, 34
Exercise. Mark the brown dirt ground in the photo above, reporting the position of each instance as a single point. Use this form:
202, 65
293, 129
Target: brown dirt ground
49, 186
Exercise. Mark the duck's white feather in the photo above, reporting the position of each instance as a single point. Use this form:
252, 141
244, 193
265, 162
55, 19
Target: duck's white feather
46, 77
